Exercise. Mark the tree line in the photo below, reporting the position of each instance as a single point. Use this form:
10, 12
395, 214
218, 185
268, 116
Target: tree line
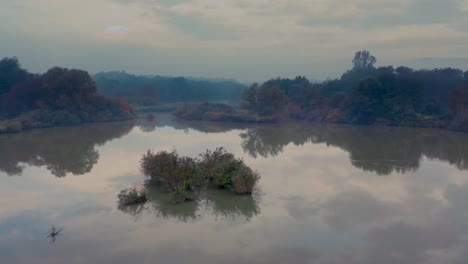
141, 90
58, 97
365, 94
369, 95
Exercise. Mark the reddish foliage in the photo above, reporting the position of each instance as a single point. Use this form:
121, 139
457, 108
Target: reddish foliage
60, 89
458, 100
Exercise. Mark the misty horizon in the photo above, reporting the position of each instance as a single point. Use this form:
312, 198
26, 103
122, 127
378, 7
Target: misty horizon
417, 64
241, 40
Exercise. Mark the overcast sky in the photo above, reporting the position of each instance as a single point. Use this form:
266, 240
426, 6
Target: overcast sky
249, 40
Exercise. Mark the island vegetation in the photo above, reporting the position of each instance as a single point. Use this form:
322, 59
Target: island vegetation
59, 97
364, 95
183, 176
133, 195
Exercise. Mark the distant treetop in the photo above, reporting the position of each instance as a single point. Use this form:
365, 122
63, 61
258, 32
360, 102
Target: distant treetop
363, 60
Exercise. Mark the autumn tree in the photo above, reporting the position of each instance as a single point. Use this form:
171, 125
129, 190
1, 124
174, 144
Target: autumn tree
458, 100
61, 96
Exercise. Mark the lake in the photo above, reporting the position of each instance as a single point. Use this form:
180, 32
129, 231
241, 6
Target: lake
328, 194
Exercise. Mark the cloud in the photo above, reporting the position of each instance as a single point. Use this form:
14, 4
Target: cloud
246, 40
199, 29
116, 29
356, 208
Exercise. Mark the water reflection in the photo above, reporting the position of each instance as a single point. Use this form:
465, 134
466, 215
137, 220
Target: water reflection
377, 149
160, 205
156, 121
226, 205
220, 203
60, 150
316, 205
383, 150
380, 150
168, 120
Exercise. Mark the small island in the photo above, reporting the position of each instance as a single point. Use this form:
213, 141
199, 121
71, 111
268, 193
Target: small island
59, 97
183, 176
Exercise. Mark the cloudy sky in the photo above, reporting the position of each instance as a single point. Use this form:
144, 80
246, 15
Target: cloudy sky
249, 40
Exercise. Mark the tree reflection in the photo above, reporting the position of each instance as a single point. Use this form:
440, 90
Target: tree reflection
136, 210
383, 150
168, 120
148, 125
157, 120
269, 140
209, 127
161, 205
226, 205
220, 203
61, 150
376, 149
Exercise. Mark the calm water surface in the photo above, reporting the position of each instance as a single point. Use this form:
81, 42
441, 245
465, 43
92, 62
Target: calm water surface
328, 194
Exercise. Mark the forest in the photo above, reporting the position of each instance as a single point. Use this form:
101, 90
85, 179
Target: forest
364, 95
58, 97
146, 90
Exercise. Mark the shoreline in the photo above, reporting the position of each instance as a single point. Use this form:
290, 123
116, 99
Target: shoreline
240, 123
293, 120
60, 126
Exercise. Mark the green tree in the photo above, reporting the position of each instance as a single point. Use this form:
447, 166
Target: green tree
250, 96
11, 73
458, 101
366, 102
363, 60
271, 101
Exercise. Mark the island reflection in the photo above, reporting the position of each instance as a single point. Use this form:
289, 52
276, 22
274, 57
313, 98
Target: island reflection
219, 203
